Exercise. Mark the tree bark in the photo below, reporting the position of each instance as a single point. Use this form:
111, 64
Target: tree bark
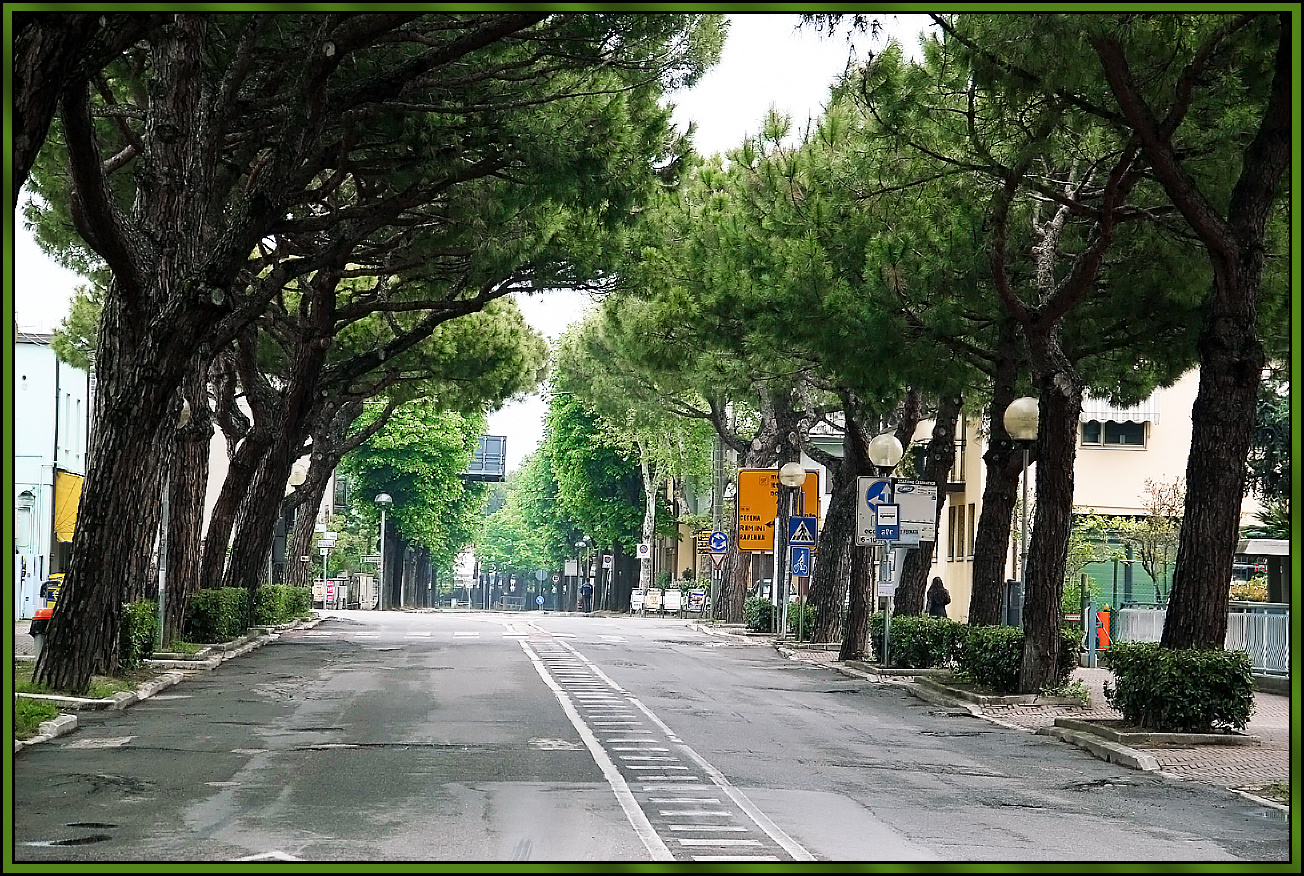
188, 483
1060, 402
855, 451
1004, 462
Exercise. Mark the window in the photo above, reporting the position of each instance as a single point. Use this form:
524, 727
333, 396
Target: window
1113, 434
969, 552
950, 533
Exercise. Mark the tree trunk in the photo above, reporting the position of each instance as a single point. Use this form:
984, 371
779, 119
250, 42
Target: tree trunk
1004, 463
828, 590
188, 483
1060, 405
297, 572
1222, 424
855, 453
221, 521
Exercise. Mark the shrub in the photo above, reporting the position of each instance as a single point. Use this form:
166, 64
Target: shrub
801, 619
1253, 590
29, 715
758, 614
993, 655
921, 641
139, 633
1180, 690
280, 603
217, 615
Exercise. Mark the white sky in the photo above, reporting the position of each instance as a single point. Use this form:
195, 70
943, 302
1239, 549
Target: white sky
766, 62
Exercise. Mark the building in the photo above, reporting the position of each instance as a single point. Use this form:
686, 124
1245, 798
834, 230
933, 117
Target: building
52, 414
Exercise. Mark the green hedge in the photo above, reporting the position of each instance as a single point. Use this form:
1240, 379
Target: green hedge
801, 619
758, 614
1180, 690
138, 634
279, 604
992, 655
217, 615
916, 641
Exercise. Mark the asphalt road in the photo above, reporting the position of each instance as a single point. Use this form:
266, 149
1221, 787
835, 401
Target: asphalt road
516, 738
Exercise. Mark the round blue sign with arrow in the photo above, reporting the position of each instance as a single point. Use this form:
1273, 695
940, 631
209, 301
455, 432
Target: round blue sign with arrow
879, 493
718, 541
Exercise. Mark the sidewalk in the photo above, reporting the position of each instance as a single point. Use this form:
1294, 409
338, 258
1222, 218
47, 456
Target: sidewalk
1237, 767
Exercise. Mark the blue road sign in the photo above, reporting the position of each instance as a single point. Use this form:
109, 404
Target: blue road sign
539, 600
887, 526
801, 561
718, 542
879, 493
801, 531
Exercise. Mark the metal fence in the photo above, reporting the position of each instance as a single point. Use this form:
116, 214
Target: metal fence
1261, 629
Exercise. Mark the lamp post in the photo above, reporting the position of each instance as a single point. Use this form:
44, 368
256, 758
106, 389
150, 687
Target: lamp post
1020, 420
384, 501
885, 452
791, 476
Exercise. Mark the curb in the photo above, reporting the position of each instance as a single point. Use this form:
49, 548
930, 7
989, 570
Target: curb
180, 670
1153, 740
1113, 752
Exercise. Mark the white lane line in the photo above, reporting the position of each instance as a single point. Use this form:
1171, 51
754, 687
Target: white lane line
761, 820
708, 828
734, 858
648, 757
649, 766
682, 800
418, 635
717, 842
671, 779
466, 635
637, 817
725, 814
634, 747
364, 635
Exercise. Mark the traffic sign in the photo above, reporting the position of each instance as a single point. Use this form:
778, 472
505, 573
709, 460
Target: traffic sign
801, 561
918, 501
538, 600
607, 561
556, 578
802, 531
876, 491
371, 558
719, 541
718, 559
644, 551
758, 505
887, 522
325, 551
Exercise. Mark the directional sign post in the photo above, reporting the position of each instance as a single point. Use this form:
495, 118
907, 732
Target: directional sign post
873, 492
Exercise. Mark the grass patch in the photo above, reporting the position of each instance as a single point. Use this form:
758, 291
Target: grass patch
180, 647
101, 688
29, 715
1278, 792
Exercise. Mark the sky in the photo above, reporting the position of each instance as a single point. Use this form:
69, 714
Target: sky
766, 63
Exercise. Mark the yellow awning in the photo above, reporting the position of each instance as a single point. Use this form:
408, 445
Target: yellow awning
67, 496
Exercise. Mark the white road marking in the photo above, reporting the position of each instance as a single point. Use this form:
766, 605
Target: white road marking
101, 742
637, 747
270, 856
682, 800
734, 858
638, 819
772, 830
466, 635
707, 828
418, 635
718, 842
695, 812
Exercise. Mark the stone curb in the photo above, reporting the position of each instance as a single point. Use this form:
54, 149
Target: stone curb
1153, 740
1104, 749
66, 723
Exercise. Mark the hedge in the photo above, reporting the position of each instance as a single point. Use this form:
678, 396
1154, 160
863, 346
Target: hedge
218, 614
1180, 690
138, 634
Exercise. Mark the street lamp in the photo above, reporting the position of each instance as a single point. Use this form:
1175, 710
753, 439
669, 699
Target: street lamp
1021, 423
885, 452
791, 476
384, 501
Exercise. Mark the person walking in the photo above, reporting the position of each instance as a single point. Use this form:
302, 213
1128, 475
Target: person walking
938, 598
586, 596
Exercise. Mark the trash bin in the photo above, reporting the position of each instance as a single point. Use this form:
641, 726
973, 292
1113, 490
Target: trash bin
40, 621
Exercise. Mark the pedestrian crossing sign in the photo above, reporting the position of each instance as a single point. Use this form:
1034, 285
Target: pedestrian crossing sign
801, 531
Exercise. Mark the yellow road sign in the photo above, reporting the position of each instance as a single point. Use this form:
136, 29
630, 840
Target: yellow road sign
758, 503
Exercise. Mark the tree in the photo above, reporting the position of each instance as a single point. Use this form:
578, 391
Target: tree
260, 133
1154, 537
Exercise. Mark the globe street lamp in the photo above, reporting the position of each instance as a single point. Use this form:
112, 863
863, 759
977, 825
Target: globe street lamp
1021, 423
384, 501
885, 452
791, 476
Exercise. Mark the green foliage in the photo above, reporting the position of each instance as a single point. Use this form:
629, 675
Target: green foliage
278, 604
758, 614
29, 715
1253, 590
1180, 690
801, 618
992, 656
418, 457
139, 633
218, 614
1269, 462
916, 641
1273, 522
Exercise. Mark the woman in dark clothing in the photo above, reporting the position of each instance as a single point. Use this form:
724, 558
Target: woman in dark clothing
938, 599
